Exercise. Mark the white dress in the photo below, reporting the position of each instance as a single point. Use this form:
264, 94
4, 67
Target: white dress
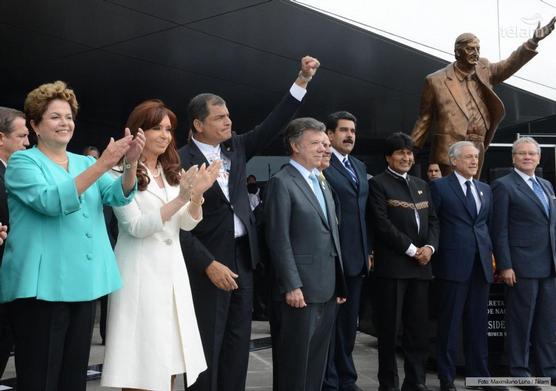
152, 330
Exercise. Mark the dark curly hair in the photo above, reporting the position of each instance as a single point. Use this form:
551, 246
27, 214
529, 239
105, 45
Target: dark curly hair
147, 115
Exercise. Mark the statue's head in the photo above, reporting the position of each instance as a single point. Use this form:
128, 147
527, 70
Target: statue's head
467, 49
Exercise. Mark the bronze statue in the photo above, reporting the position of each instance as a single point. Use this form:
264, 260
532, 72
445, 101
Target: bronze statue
458, 102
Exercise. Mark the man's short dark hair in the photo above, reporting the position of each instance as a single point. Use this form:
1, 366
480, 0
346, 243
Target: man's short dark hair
90, 148
332, 119
295, 130
397, 141
7, 117
198, 107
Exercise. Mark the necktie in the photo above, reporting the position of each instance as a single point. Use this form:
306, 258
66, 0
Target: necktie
350, 170
540, 194
470, 200
318, 193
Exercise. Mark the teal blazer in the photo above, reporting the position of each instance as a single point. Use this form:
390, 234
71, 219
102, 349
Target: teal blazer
57, 247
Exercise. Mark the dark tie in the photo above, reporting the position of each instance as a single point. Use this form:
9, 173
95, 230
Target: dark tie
470, 200
350, 170
540, 194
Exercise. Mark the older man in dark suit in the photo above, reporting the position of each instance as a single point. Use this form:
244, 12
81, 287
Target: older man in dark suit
222, 250
459, 103
14, 136
302, 236
348, 177
406, 236
524, 238
463, 265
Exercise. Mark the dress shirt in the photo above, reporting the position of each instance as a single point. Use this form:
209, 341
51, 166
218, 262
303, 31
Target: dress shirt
474, 191
473, 97
212, 153
339, 155
305, 173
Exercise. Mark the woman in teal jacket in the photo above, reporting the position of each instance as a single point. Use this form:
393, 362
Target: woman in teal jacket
58, 258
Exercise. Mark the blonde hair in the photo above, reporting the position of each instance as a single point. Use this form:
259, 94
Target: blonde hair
38, 100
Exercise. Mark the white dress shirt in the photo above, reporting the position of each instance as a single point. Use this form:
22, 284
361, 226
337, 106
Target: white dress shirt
474, 191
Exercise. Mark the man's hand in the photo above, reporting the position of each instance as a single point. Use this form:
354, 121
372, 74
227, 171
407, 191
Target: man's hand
295, 298
543, 32
341, 300
423, 255
508, 276
221, 276
371, 262
3, 233
309, 66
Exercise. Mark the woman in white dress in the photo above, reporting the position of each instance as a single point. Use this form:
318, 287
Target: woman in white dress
152, 332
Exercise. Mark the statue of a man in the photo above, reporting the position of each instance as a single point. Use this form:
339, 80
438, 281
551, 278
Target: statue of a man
458, 102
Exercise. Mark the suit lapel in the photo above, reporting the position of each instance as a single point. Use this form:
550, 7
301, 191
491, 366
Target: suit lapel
154, 189
456, 187
338, 165
307, 191
528, 192
454, 87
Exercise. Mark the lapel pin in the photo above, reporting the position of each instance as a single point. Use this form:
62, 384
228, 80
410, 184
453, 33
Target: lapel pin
481, 193
419, 192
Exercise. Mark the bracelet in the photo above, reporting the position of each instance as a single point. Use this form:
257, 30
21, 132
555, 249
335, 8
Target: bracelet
197, 203
127, 165
303, 77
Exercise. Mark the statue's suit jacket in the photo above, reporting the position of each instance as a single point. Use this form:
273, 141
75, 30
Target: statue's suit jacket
304, 246
443, 107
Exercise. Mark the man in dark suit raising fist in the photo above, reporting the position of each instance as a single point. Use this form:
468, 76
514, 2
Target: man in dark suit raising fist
222, 250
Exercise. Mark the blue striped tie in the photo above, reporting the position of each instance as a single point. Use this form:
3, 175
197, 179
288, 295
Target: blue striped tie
540, 194
350, 170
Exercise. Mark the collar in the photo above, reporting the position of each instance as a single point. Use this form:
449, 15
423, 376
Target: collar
340, 156
524, 175
461, 179
461, 75
206, 149
404, 176
303, 171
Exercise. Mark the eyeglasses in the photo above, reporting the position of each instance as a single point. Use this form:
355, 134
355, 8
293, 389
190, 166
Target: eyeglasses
525, 153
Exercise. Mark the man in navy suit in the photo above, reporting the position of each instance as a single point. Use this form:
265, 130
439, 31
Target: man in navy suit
348, 177
222, 250
523, 225
463, 265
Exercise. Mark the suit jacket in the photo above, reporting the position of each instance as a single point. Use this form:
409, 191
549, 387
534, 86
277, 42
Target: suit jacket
4, 216
523, 235
443, 107
70, 257
392, 202
213, 238
304, 244
352, 210
462, 237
